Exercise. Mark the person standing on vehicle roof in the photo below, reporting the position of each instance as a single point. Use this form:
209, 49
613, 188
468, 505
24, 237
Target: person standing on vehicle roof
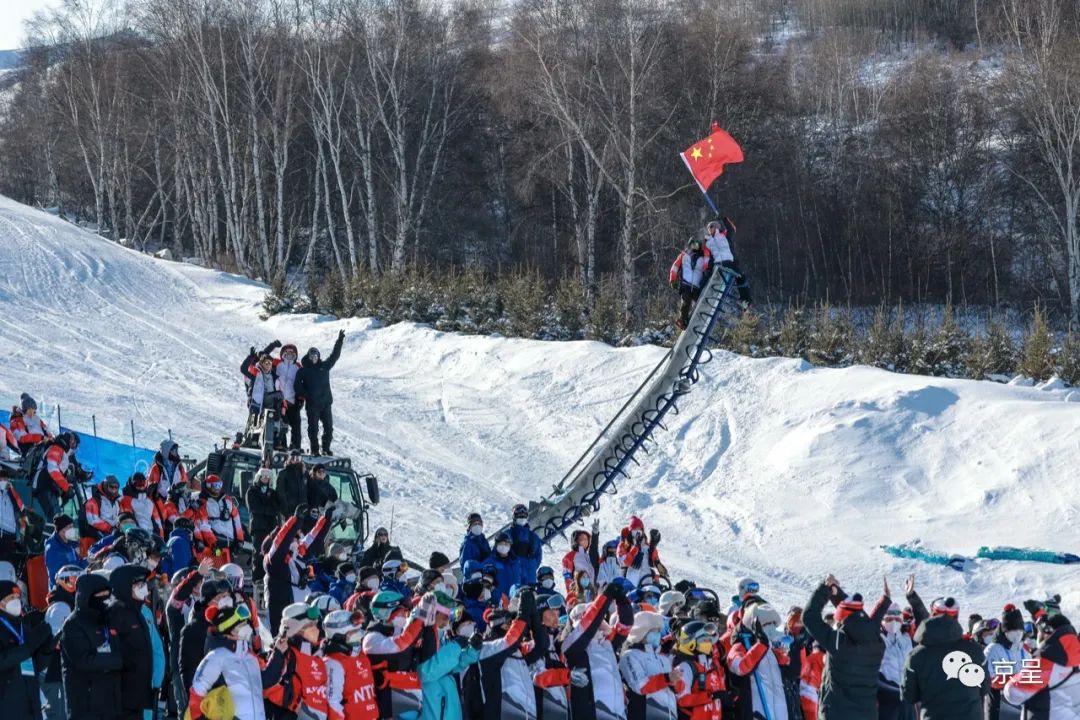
288, 367
312, 386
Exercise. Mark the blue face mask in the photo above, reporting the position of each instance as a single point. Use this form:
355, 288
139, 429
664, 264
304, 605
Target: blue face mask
653, 639
584, 582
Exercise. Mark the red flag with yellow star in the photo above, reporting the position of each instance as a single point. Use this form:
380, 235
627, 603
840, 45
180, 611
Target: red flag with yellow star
706, 158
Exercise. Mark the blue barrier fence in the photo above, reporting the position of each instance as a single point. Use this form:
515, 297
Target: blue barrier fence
104, 457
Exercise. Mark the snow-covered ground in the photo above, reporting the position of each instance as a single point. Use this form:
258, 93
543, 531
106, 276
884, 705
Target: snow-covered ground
772, 469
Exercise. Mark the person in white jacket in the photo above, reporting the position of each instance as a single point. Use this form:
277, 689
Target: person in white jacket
651, 684
286, 370
232, 660
898, 646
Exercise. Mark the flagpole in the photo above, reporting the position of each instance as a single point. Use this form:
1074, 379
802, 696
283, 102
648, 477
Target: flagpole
709, 200
704, 191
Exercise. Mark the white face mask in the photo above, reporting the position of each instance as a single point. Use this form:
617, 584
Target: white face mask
244, 633
521, 522
350, 578
502, 549
892, 627
548, 583
4, 484
225, 602
151, 564
477, 530
466, 629
486, 595
139, 592
372, 583
71, 533
399, 621
439, 587
341, 557
1015, 636
355, 638
988, 639
13, 607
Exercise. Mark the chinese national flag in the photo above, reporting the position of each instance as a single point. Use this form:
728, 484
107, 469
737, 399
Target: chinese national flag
706, 158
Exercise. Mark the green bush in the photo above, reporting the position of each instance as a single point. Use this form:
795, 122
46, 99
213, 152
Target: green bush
1037, 357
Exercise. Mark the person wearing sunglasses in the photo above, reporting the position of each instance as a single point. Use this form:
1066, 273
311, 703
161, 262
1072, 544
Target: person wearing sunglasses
380, 547
312, 386
231, 659
700, 682
299, 684
350, 684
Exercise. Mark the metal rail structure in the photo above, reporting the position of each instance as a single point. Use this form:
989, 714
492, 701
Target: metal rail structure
609, 456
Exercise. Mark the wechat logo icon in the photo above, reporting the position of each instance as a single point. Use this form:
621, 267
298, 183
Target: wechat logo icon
958, 666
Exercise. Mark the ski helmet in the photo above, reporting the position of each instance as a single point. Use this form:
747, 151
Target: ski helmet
213, 484
323, 603
340, 624
671, 602
296, 617
234, 574
67, 576
520, 511
384, 604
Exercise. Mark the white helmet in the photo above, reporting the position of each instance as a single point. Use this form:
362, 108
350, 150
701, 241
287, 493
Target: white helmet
671, 602
323, 603
297, 616
343, 623
234, 574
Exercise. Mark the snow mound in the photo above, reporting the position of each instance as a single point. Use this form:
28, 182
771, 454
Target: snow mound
772, 469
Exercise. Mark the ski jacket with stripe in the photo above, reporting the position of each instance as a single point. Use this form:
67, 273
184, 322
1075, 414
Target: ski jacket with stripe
221, 517
301, 681
648, 692
638, 560
102, 513
235, 664
391, 655
853, 655
139, 504
757, 661
28, 431
11, 509
702, 680
350, 684
690, 267
164, 475
57, 462
590, 649
587, 561
507, 666
1050, 690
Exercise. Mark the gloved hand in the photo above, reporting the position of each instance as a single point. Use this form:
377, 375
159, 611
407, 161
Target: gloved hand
341, 335
527, 603
462, 642
654, 537
251, 350
674, 284
276, 344
614, 591
579, 678
300, 511
329, 514
596, 526
68, 494
476, 641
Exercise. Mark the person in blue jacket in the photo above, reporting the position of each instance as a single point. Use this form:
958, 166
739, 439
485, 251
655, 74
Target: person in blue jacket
61, 547
345, 584
525, 546
181, 550
442, 658
475, 546
125, 521
505, 564
393, 576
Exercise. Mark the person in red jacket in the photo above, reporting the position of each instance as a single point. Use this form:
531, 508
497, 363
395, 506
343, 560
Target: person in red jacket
584, 555
167, 470
102, 508
219, 515
687, 275
303, 678
702, 678
350, 687
637, 552
813, 667
51, 480
9, 446
26, 426
137, 501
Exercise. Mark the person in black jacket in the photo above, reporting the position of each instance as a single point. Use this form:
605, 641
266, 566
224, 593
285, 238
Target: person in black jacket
284, 559
137, 644
185, 584
291, 485
945, 673
90, 655
375, 555
264, 511
319, 489
216, 593
24, 651
853, 651
313, 385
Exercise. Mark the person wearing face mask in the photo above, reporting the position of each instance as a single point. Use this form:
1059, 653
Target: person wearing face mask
474, 546
102, 508
1005, 657
475, 596
140, 643
792, 671
350, 684
853, 650
61, 548
138, 502
513, 646
430, 581
24, 652
545, 580
700, 695
345, 584
651, 682
220, 516
442, 658
1050, 687
231, 661
756, 656
91, 656
552, 683
125, 523
389, 645
287, 368
898, 646
167, 470
582, 589
12, 516
584, 555
312, 386
393, 576
637, 552
27, 427
687, 275
283, 557
299, 688
506, 565
525, 545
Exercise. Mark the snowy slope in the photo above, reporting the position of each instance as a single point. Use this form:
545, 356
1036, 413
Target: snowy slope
773, 469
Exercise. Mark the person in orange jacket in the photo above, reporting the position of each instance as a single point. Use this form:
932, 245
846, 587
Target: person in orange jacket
167, 470
687, 275
103, 507
303, 678
51, 480
27, 427
137, 501
351, 681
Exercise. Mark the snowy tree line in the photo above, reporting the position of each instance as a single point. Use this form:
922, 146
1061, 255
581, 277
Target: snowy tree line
897, 150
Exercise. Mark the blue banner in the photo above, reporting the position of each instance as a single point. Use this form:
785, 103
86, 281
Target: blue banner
105, 457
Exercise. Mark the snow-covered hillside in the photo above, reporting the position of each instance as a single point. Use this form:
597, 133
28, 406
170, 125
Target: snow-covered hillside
772, 469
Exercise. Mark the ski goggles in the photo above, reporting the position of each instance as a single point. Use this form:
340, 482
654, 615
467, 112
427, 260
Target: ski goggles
709, 631
394, 566
552, 602
310, 613
240, 614
752, 588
